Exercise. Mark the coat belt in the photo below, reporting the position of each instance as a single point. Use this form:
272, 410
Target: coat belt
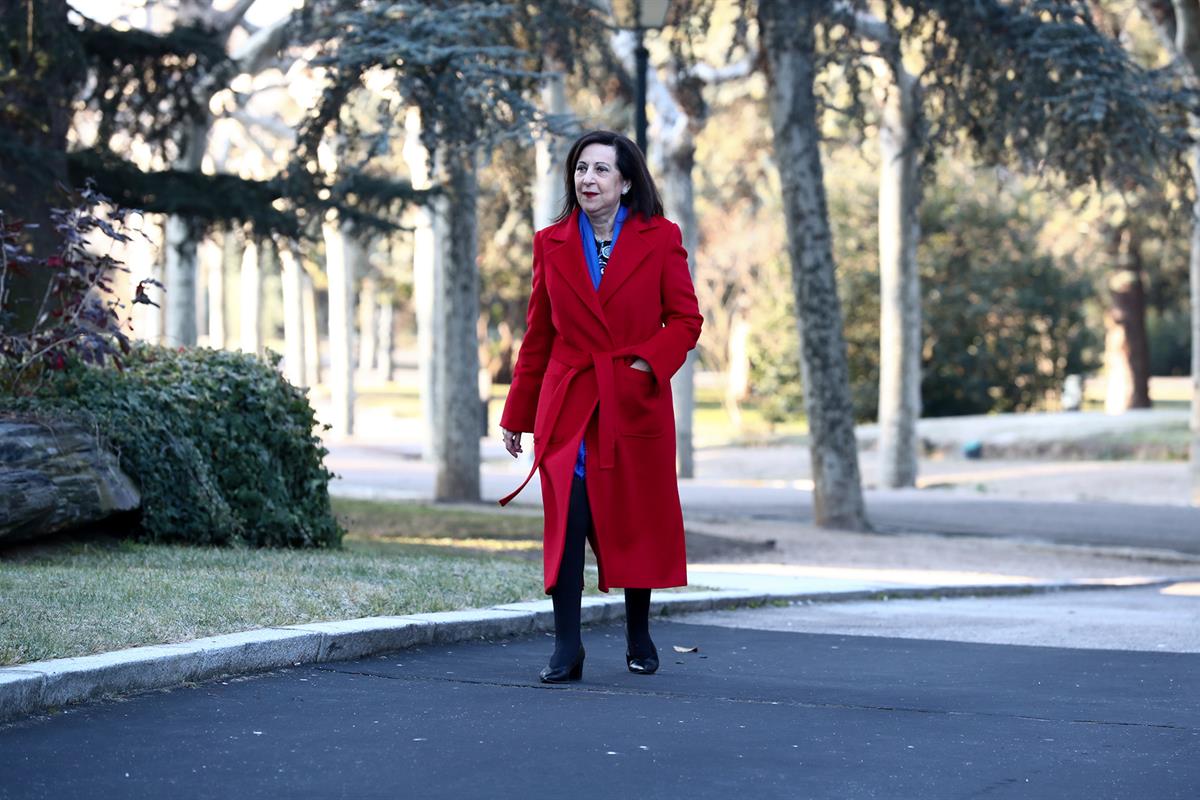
580, 361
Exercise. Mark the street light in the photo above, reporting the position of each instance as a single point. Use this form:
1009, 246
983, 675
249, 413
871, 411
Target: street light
641, 16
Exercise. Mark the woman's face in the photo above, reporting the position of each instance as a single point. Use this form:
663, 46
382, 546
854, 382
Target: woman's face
598, 184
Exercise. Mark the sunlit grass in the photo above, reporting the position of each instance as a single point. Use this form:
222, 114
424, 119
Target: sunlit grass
77, 598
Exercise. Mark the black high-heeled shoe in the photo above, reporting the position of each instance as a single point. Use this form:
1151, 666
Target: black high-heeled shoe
642, 665
570, 672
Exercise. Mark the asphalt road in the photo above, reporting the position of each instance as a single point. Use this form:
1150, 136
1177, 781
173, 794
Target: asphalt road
1157, 619
761, 714
1177, 528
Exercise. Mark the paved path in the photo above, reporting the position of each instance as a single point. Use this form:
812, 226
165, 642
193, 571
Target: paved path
754, 713
1158, 620
392, 470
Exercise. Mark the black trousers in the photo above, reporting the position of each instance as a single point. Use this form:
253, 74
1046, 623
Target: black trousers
579, 530
568, 588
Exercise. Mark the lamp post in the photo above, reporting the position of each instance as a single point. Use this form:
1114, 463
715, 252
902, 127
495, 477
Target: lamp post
641, 16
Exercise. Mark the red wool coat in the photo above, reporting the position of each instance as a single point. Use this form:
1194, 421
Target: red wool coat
573, 379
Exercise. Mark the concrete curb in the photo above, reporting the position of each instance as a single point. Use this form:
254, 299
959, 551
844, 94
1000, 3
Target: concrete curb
44, 686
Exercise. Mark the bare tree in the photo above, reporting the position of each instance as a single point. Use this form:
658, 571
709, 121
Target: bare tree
192, 139
900, 149
292, 278
312, 337
1126, 346
250, 298
427, 278
456, 350
680, 114
787, 38
548, 149
368, 301
342, 259
1178, 25
385, 365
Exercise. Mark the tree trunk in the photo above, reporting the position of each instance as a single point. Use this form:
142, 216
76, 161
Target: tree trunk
142, 259
368, 300
42, 65
56, 478
899, 284
428, 277
1178, 26
179, 312
456, 350
341, 260
679, 198
180, 307
250, 304
548, 151
232, 253
1194, 277
678, 119
292, 278
212, 260
385, 364
1126, 349
312, 333
427, 283
737, 381
788, 40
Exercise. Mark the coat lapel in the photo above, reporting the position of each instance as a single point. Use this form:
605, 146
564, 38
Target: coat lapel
631, 249
566, 255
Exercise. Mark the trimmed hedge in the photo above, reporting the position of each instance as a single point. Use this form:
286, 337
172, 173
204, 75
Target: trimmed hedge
220, 443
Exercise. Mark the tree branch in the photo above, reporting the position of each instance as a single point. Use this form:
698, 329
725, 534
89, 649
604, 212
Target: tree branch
230, 19
1187, 32
671, 117
252, 56
730, 72
867, 24
1161, 16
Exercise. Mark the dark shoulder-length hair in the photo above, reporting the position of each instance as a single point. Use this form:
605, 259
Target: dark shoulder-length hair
642, 197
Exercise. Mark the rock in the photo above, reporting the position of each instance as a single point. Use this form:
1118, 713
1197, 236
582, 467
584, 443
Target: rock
55, 476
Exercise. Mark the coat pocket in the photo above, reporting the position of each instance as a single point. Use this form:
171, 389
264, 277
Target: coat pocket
641, 411
545, 428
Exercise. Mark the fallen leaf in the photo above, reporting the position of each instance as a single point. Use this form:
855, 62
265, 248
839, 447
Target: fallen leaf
679, 649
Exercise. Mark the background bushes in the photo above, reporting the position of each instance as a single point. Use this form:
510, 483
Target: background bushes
1003, 324
220, 443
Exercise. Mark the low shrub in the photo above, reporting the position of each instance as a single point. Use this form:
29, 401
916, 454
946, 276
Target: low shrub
222, 446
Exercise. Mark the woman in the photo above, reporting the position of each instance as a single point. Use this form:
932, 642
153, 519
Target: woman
612, 316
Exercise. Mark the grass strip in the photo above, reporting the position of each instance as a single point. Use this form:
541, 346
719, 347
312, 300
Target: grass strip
88, 598
76, 598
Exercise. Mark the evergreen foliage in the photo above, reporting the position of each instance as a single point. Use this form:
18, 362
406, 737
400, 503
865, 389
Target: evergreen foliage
143, 86
203, 198
471, 66
280, 206
221, 445
145, 83
1035, 84
1003, 322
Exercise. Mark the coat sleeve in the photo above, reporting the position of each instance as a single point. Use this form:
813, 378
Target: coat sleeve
520, 408
666, 350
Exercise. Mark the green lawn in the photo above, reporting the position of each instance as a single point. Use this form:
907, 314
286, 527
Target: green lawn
76, 598
712, 425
